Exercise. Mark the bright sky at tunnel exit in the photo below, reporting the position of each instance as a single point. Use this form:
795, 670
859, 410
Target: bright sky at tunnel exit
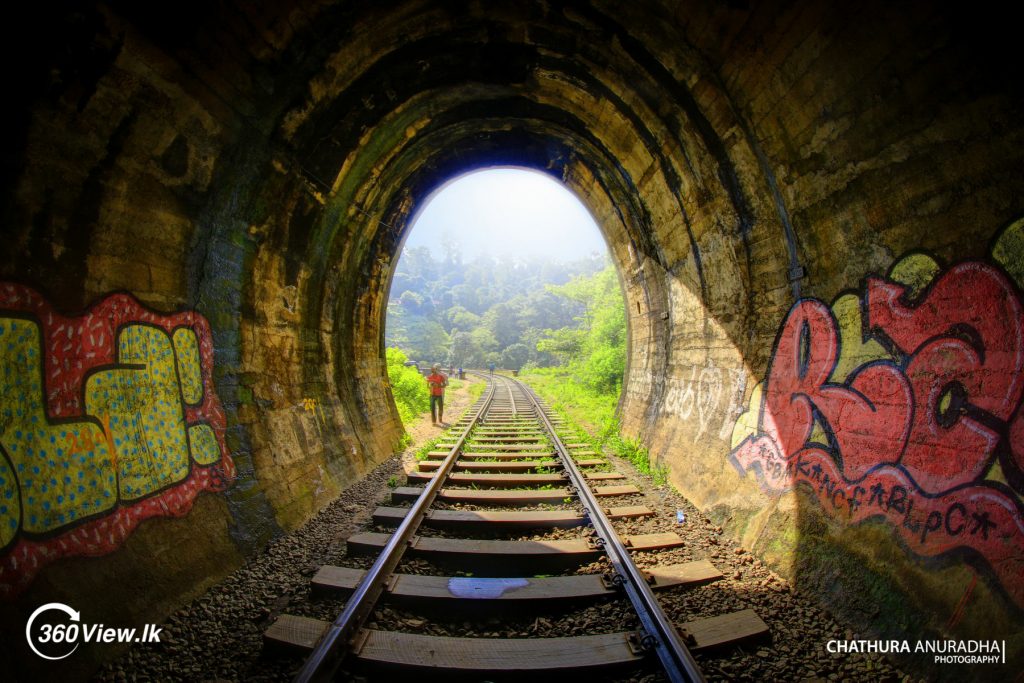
507, 212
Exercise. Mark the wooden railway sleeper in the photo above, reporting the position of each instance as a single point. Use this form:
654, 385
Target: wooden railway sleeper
337, 640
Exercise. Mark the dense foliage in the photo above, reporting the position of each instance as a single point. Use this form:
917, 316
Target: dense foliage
593, 350
484, 311
407, 386
592, 354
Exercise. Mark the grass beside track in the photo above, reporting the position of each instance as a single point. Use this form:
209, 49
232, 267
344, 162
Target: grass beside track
595, 414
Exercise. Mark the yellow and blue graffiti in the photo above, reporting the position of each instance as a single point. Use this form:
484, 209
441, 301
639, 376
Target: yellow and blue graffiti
105, 419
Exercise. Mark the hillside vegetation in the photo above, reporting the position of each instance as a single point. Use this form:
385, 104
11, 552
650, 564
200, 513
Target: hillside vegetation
481, 312
563, 326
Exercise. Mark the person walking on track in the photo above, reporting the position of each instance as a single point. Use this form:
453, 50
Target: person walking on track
437, 383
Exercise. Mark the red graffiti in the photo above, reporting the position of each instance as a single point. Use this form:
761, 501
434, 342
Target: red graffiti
761, 454
869, 419
909, 439
965, 341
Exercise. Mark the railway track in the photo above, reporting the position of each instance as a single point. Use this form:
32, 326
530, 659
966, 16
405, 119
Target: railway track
508, 525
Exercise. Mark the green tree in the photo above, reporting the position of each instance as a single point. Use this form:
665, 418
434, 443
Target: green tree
459, 318
414, 303
465, 296
463, 351
595, 348
501, 322
515, 356
487, 306
484, 339
565, 343
432, 341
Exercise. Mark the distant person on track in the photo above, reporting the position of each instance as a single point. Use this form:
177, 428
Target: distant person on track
437, 383
491, 368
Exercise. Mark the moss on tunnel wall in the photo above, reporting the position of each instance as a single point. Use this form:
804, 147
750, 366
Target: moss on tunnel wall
256, 169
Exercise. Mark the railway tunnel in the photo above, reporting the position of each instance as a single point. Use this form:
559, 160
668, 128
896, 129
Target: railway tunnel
814, 209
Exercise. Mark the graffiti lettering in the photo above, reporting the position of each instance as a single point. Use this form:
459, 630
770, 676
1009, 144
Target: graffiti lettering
907, 423
979, 517
854, 500
107, 419
955, 507
933, 523
965, 340
312, 406
874, 407
700, 395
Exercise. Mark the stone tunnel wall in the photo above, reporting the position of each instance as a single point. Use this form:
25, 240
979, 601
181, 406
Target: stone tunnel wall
868, 441
169, 406
812, 208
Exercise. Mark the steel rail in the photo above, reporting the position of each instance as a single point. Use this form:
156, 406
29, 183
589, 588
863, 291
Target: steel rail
676, 659
323, 662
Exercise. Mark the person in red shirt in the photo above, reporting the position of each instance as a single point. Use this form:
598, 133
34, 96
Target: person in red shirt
437, 383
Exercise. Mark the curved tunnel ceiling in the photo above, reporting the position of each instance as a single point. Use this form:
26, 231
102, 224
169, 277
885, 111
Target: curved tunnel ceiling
446, 88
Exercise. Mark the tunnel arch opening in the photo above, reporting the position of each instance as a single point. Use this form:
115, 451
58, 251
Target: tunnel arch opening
532, 231
290, 190
503, 148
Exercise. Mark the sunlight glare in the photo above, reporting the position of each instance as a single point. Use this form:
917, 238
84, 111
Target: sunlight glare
507, 212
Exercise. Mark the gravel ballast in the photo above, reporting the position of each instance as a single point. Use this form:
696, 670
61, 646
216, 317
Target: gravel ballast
219, 635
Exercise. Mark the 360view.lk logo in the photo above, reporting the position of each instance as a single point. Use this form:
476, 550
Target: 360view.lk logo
55, 631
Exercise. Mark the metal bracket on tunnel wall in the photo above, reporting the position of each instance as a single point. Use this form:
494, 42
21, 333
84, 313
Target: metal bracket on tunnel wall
902, 401
106, 419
